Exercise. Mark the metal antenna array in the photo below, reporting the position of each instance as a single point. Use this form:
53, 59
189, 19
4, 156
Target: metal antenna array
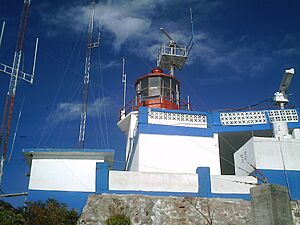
86, 78
171, 56
15, 74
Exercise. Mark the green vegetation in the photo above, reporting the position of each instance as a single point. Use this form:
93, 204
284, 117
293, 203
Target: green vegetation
9, 215
118, 219
50, 212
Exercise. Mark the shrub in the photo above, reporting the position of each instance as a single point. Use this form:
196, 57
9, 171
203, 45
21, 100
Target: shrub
118, 219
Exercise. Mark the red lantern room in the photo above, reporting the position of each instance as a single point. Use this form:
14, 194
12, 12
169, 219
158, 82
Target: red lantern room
158, 90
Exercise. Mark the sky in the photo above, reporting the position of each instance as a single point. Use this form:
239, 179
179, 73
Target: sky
241, 51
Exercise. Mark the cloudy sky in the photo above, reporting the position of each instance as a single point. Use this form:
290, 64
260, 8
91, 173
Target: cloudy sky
241, 51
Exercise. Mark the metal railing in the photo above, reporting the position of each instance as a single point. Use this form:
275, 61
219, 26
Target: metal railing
135, 104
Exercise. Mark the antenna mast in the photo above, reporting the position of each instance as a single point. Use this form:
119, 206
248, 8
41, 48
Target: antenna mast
280, 128
171, 56
15, 74
86, 78
124, 81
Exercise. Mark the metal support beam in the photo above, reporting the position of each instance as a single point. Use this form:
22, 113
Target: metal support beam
13, 195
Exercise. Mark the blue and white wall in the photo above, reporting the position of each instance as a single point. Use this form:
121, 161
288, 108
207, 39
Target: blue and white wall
67, 175
180, 141
201, 183
276, 160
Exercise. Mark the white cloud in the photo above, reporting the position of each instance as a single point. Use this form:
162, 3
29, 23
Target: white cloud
67, 111
216, 54
134, 26
112, 63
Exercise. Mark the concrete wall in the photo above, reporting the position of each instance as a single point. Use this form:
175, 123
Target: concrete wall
145, 181
244, 158
176, 154
268, 153
63, 174
228, 184
152, 183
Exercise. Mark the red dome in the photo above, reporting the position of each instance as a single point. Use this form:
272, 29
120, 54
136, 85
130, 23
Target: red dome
157, 70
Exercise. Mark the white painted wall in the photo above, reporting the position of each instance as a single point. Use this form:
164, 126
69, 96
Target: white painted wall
170, 182
144, 181
270, 153
230, 184
176, 154
63, 174
128, 126
244, 158
135, 158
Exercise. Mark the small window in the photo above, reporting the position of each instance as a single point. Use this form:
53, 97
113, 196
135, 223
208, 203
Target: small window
154, 81
166, 82
154, 91
144, 83
174, 85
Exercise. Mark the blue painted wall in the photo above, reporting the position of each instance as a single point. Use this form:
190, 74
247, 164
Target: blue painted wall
213, 124
76, 200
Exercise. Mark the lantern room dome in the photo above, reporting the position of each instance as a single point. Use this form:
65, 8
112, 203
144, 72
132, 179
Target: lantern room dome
158, 90
157, 70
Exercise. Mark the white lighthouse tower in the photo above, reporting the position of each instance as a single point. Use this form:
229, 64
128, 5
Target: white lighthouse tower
163, 134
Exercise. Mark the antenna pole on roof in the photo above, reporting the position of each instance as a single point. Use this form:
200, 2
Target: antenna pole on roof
280, 128
192, 23
171, 56
124, 81
191, 42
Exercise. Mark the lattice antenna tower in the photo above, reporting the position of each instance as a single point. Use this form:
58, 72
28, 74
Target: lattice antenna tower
15, 74
171, 56
86, 77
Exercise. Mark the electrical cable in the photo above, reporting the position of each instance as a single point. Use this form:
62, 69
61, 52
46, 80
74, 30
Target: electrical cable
42, 136
99, 120
16, 130
284, 169
102, 93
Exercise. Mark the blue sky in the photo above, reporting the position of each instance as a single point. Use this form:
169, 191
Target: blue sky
241, 51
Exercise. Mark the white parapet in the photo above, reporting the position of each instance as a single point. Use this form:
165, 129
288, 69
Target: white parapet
231, 184
267, 153
158, 182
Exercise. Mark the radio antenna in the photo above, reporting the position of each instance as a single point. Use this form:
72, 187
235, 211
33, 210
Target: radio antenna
15, 74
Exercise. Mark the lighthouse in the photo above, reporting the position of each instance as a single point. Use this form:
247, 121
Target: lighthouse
163, 134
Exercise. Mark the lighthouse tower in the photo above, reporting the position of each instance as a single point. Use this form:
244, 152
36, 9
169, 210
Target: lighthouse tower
163, 134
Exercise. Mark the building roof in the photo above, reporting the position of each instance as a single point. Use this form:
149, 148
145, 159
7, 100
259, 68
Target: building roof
46, 153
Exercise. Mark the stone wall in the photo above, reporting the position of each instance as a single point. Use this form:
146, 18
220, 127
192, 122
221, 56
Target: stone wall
165, 210
171, 210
